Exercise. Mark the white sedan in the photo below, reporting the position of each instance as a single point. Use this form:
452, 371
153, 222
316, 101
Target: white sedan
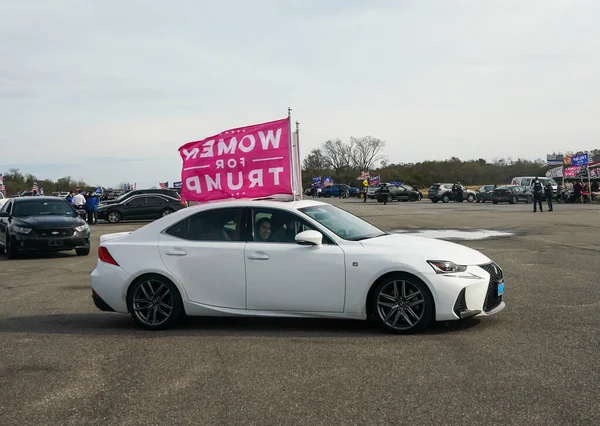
303, 259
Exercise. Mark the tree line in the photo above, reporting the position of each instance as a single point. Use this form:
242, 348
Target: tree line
344, 161
17, 182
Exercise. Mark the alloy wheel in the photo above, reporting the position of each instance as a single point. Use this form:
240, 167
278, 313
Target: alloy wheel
400, 304
153, 303
113, 217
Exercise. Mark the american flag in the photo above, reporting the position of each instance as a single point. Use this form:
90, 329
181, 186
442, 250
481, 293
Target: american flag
35, 187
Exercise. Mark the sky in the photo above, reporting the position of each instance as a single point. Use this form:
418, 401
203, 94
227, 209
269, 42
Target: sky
107, 91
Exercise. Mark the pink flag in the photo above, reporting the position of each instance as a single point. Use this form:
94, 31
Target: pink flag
247, 162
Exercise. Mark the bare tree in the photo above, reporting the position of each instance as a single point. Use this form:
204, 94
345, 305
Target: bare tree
365, 152
337, 154
315, 162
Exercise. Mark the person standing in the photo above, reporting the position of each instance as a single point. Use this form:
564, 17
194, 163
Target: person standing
549, 192
538, 190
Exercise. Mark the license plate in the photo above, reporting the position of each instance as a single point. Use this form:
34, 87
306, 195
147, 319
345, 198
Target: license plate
500, 288
56, 243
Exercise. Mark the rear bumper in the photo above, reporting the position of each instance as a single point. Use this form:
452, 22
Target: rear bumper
100, 303
110, 283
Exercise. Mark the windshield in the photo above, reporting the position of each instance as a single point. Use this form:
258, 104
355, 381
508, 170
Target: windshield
122, 197
43, 208
345, 225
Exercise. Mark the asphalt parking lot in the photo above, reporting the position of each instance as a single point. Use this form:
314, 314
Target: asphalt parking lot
535, 363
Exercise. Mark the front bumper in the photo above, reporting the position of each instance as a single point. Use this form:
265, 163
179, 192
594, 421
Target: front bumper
460, 298
27, 242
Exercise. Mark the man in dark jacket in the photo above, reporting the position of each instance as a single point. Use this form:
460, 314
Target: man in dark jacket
549, 192
538, 190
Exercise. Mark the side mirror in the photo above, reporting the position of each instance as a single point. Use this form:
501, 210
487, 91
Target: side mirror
309, 238
4, 214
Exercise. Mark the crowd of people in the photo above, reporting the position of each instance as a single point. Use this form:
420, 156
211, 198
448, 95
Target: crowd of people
88, 201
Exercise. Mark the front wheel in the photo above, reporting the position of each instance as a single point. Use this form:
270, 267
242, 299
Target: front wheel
402, 304
11, 247
114, 217
167, 212
470, 198
155, 303
82, 251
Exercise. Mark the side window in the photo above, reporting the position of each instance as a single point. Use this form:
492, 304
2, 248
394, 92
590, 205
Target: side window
278, 226
213, 225
526, 182
155, 200
6, 207
135, 202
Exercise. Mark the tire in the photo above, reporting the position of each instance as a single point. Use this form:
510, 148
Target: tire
529, 200
167, 212
434, 201
11, 249
82, 251
328, 195
514, 200
402, 304
113, 217
478, 201
445, 199
470, 198
166, 309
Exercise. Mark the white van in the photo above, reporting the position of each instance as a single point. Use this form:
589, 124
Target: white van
527, 181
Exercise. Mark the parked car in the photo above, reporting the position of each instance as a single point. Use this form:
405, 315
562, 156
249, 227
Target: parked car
527, 181
167, 192
443, 192
485, 193
339, 188
178, 265
372, 190
143, 206
398, 193
512, 194
42, 224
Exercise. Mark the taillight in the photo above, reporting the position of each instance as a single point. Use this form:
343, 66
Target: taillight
105, 256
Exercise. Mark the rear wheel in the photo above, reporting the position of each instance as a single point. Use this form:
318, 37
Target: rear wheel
470, 198
402, 304
167, 212
445, 199
155, 303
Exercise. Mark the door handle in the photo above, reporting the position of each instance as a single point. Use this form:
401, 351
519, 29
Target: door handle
176, 252
259, 256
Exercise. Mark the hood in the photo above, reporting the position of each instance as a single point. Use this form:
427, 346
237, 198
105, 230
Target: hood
107, 202
48, 222
425, 249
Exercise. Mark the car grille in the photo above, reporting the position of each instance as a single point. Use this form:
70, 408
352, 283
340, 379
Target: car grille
492, 300
56, 233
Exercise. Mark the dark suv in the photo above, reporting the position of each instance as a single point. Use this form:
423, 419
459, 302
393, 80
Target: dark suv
485, 193
443, 192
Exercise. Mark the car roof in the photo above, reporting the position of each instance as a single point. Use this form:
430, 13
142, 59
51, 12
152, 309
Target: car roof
249, 202
37, 198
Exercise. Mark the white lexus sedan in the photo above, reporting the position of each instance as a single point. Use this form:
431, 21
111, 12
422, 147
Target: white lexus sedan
289, 259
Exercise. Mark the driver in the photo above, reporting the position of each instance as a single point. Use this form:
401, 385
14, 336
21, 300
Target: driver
262, 231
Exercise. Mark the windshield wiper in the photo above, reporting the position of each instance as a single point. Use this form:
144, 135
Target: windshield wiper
367, 237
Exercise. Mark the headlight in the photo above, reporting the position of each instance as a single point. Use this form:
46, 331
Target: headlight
21, 230
446, 267
82, 228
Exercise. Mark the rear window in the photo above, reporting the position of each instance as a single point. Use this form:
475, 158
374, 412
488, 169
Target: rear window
435, 186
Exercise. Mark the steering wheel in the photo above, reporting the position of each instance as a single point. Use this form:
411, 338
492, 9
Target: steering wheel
342, 233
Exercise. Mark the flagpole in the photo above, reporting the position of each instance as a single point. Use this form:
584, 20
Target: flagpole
298, 165
292, 175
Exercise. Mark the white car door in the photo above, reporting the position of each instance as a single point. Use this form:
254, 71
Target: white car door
282, 275
206, 254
